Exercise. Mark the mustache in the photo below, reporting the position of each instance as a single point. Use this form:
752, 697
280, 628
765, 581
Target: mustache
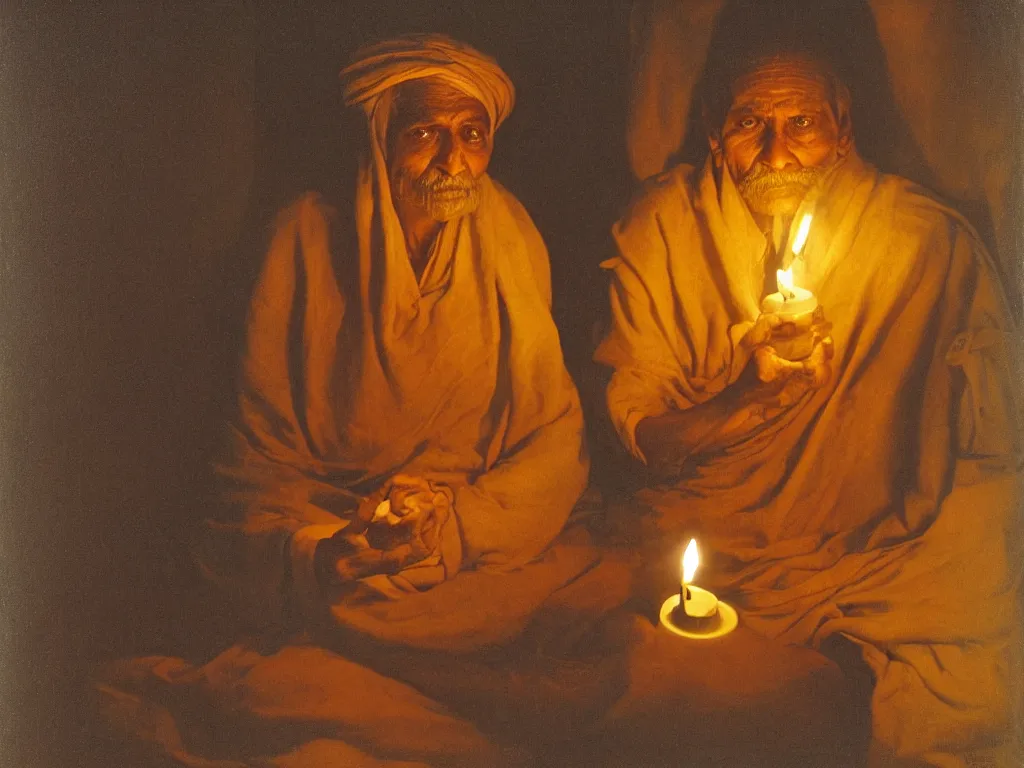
436, 182
764, 179
441, 196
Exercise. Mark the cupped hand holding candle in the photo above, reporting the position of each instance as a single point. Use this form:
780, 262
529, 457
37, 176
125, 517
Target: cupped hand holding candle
795, 305
798, 309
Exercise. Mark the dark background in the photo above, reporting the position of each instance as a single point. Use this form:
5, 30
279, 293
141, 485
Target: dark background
143, 148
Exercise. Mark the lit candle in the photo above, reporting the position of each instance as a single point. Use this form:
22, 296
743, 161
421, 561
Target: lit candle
696, 603
791, 300
690, 562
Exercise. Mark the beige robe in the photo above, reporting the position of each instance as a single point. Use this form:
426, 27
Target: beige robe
883, 506
355, 371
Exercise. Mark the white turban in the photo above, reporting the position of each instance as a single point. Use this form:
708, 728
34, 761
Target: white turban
378, 68
369, 82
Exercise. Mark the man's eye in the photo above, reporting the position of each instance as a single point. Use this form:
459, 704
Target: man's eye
749, 123
420, 134
802, 122
473, 135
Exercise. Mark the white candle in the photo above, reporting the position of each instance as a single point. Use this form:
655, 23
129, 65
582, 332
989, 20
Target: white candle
791, 300
700, 604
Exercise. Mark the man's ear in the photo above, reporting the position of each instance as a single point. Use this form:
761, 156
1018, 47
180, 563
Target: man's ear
845, 122
845, 135
715, 143
713, 133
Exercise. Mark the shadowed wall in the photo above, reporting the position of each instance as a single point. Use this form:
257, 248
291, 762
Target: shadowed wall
129, 155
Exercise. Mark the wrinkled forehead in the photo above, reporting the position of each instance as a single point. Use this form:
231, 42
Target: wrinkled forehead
426, 99
782, 82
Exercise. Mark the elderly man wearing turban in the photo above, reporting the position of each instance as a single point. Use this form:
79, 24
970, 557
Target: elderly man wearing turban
407, 439
404, 411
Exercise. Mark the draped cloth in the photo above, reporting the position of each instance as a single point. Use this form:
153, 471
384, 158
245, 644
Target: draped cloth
882, 507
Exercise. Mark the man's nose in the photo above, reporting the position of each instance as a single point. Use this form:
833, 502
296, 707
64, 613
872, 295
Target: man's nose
776, 153
449, 156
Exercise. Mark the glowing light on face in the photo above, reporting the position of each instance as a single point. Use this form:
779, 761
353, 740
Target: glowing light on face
690, 561
801, 237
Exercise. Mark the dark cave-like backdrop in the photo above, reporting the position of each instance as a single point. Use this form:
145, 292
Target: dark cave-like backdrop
144, 147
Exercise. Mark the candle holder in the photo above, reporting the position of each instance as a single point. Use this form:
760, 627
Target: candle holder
675, 620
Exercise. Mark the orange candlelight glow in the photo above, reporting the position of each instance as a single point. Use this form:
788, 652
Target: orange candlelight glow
801, 234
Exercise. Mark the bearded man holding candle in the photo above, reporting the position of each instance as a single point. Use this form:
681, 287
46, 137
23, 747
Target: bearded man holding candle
861, 495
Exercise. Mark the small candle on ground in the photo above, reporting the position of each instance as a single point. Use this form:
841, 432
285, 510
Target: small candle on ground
696, 613
695, 602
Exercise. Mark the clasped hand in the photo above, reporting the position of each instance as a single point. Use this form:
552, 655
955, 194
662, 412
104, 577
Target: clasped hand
396, 527
773, 380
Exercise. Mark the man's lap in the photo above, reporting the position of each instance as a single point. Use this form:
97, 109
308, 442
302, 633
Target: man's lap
626, 690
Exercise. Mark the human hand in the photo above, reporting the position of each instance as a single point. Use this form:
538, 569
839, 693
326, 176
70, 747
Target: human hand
412, 515
346, 557
779, 380
795, 338
776, 375
395, 527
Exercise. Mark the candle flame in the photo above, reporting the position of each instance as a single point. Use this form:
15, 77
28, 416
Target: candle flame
801, 234
690, 561
784, 279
